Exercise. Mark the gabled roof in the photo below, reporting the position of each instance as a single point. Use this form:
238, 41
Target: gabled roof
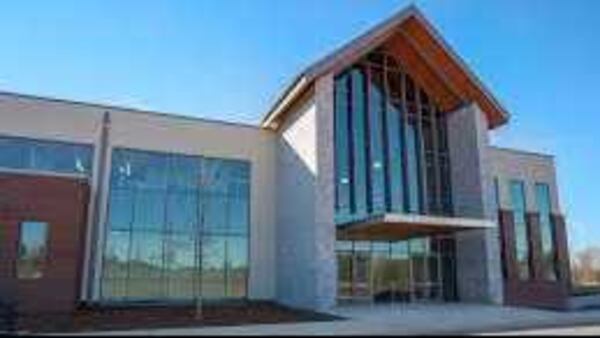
423, 48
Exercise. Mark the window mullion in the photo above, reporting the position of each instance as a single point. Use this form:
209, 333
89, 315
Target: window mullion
404, 143
422, 165
436, 158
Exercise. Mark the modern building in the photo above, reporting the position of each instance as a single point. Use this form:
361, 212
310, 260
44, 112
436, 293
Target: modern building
371, 178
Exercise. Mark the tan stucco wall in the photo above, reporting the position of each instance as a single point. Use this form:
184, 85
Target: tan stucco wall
182, 135
53, 120
73, 122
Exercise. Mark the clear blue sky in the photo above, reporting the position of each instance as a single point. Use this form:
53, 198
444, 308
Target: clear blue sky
229, 59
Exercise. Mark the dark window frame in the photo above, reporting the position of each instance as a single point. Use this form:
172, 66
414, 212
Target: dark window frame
166, 230
430, 182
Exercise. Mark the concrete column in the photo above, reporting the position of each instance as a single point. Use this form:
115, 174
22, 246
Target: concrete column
479, 274
306, 264
326, 268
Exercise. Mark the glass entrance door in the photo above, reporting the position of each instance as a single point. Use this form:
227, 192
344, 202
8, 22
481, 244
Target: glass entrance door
414, 270
361, 271
426, 266
401, 272
383, 281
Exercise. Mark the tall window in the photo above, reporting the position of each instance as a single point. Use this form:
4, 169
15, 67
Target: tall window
358, 138
413, 159
517, 192
33, 247
376, 99
177, 227
390, 143
28, 154
544, 205
342, 140
395, 139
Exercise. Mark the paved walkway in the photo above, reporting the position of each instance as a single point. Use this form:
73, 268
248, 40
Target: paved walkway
571, 331
403, 319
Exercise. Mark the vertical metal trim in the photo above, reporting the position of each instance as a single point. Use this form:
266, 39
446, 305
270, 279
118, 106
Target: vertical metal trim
249, 232
336, 164
367, 127
199, 238
386, 136
422, 160
436, 157
448, 175
97, 238
403, 139
130, 231
351, 145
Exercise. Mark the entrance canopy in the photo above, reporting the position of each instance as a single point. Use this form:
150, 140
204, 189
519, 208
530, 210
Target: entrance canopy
401, 226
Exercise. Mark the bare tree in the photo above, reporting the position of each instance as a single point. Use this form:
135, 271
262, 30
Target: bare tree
586, 267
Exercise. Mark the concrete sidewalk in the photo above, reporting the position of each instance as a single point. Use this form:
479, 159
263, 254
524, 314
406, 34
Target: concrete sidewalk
402, 319
570, 331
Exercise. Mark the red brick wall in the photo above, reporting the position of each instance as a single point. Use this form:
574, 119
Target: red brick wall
62, 203
535, 291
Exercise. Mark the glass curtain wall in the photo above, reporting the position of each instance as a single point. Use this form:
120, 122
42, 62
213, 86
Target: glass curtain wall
390, 143
177, 227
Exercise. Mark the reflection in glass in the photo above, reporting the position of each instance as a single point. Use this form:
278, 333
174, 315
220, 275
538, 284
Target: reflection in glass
380, 265
542, 193
237, 268
400, 271
391, 150
15, 153
213, 267
215, 216
344, 258
376, 140
117, 254
358, 137
120, 213
342, 147
517, 192
177, 226
149, 209
394, 168
412, 151
60, 157
33, 245
182, 210
362, 282
417, 269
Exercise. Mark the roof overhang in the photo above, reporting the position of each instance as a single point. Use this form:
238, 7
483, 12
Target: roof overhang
420, 41
401, 226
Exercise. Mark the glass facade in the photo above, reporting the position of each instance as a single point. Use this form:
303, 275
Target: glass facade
390, 143
177, 227
544, 205
517, 194
28, 154
417, 269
